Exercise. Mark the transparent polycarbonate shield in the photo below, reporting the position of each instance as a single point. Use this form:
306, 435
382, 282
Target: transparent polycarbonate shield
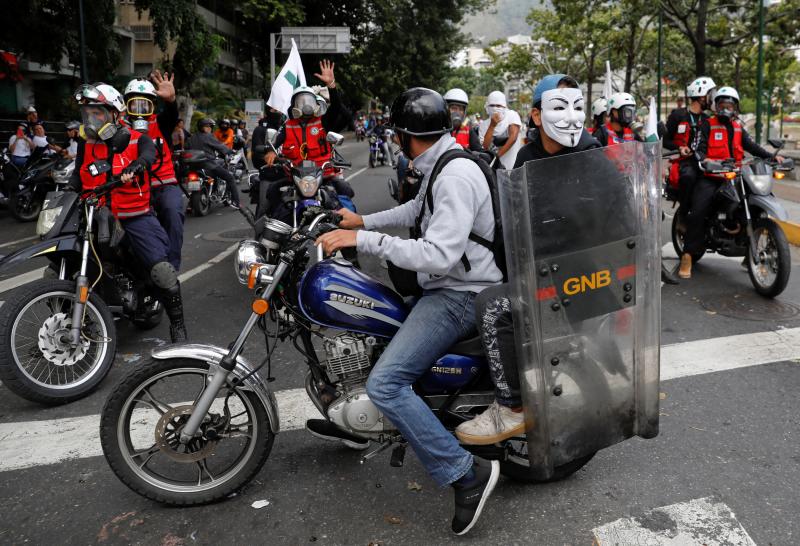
582, 244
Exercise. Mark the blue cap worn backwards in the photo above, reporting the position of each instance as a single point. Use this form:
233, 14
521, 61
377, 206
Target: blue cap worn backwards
547, 83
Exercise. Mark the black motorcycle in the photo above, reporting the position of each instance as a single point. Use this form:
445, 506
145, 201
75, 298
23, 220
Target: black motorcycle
203, 188
41, 175
740, 220
57, 335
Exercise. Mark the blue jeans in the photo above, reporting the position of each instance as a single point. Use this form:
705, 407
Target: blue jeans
438, 320
169, 208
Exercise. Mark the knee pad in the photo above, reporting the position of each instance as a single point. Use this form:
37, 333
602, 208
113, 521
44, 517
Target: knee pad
164, 275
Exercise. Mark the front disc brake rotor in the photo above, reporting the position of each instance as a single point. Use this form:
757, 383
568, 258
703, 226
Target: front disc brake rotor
51, 344
168, 437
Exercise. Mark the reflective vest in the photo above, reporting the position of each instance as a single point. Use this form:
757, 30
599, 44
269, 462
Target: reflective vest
614, 138
128, 200
462, 135
163, 171
306, 141
718, 149
684, 134
226, 138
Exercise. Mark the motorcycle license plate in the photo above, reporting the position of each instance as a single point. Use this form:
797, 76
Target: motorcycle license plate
193, 186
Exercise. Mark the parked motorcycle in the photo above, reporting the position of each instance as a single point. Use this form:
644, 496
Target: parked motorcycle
41, 175
740, 221
204, 189
57, 335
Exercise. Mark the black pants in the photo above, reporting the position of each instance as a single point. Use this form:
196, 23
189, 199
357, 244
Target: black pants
702, 198
687, 175
218, 171
496, 328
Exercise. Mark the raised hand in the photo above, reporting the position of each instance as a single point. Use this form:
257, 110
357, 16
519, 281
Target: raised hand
165, 87
326, 72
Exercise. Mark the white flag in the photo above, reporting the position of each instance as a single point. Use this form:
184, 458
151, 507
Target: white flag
290, 78
651, 130
608, 88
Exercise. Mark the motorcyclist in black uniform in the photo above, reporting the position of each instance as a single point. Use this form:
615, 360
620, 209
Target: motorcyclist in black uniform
204, 140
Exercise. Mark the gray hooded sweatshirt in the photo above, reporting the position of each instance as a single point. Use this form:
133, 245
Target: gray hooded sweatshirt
461, 204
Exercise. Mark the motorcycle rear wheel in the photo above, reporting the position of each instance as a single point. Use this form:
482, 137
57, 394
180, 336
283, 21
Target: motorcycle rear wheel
520, 471
24, 209
200, 203
157, 420
33, 360
771, 275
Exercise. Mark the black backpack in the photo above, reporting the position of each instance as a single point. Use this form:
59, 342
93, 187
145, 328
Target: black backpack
406, 281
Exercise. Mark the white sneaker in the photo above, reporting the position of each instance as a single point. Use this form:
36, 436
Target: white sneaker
495, 424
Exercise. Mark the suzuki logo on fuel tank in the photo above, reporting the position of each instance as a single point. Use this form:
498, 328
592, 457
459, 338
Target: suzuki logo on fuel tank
598, 279
358, 302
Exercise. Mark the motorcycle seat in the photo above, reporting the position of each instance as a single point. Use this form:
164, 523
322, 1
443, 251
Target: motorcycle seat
470, 346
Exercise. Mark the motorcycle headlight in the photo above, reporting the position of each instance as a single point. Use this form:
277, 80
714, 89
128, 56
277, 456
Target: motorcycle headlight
308, 185
47, 218
248, 254
761, 184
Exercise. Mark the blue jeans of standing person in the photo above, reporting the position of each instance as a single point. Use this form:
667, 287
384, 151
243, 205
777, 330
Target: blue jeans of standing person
438, 320
170, 211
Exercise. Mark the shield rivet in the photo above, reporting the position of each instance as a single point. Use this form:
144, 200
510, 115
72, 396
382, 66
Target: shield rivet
554, 361
627, 298
565, 302
631, 244
555, 307
544, 271
627, 287
557, 390
554, 268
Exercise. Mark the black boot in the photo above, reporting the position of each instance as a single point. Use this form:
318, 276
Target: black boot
173, 304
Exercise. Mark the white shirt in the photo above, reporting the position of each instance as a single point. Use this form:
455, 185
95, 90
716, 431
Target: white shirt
40, 142
23, 149
501, 131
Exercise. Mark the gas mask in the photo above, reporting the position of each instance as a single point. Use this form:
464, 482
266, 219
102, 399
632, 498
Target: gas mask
456, 116
563, 115
98, 123
626, 115
305, 105
139, 109
726, 110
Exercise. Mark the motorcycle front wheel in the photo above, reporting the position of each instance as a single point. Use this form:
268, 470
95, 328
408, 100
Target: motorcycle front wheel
141, 424
771, 274
24, 208
371, 160
35, 360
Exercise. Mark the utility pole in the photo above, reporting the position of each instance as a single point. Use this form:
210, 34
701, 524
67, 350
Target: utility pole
84, 68
760, 76
660, 58
783, 98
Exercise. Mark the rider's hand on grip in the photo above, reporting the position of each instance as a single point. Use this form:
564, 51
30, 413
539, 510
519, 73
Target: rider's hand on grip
349, 220
336, 240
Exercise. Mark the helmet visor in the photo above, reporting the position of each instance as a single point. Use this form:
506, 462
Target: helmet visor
305, 104
140, 106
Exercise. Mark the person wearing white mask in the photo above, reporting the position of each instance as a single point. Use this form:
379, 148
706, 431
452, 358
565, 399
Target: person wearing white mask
500, 131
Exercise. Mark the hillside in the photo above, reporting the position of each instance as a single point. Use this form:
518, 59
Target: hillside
505, 18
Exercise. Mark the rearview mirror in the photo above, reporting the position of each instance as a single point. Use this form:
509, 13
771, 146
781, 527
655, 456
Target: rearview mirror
775, 143
712, 166
334, 138
272, 135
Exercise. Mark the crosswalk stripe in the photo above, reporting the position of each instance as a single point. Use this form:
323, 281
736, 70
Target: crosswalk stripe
34, 443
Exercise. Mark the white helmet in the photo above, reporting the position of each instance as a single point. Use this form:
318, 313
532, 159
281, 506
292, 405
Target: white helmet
726, 92
140, 86
100, 94
618, 100
456, 95
599, 106
700, 87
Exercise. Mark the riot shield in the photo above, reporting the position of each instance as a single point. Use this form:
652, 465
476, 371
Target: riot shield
582, 245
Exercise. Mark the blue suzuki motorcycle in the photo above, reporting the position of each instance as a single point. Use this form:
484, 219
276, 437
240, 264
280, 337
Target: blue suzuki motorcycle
197, 422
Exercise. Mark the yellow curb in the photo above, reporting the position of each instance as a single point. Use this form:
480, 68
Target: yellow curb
791, 230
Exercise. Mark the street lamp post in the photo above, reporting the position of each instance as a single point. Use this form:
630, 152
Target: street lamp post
84, 68
760, 75
660, 58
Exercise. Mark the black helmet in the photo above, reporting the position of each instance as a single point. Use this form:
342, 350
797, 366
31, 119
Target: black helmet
206, 122
420, 112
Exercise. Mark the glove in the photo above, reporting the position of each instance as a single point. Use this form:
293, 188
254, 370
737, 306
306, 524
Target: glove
136, 167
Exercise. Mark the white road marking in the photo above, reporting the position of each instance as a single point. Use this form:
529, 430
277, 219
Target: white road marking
185, 276
19, 280
698, 521
34, 443
24, 240
359, 171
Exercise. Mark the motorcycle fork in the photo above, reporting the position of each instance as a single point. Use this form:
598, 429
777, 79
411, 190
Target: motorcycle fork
227, 364
81, 284
749, 227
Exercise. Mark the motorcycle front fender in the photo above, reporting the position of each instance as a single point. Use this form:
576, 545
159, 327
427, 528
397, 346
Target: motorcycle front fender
769, 204
213, 355
47, 248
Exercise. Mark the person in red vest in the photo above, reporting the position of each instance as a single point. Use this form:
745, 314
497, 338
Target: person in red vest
130, 154
682, 126
721, 137
621, 113
166, 195
303, 136
457, 102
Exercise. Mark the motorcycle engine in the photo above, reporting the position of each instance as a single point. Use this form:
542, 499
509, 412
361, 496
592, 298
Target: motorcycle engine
348, 364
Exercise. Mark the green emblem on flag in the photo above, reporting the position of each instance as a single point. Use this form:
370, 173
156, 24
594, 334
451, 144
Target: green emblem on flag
291, 78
